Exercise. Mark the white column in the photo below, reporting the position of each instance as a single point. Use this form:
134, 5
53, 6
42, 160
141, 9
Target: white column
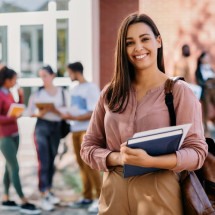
50, 38
14, 43
80, 35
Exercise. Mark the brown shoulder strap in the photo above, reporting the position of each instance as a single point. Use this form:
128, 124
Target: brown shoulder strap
170, 83
169, 98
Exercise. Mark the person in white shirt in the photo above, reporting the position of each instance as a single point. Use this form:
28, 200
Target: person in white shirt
45, 104
84, 97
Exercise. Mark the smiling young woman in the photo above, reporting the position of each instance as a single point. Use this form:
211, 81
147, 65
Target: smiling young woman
142, 46
134, 101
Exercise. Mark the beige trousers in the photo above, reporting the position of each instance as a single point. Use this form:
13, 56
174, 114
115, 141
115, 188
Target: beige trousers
151, 194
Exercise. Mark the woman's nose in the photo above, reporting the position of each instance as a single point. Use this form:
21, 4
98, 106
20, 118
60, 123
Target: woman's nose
138, 48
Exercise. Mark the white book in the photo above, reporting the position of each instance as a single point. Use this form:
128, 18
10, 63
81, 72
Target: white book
154, 136
164, 131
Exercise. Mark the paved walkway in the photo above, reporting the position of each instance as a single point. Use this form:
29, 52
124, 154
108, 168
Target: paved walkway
66, 184
58, 211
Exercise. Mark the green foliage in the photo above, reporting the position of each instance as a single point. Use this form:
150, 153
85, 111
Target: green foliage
72, 179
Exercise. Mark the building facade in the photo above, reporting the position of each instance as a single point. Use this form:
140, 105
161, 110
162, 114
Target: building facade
34, 33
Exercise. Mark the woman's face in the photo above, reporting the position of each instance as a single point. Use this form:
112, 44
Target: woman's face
9, 83
142, 46
46, 77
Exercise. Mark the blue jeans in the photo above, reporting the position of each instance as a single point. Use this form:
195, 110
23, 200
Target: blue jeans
47, 139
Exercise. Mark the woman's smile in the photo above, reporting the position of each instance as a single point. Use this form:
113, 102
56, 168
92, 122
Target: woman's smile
141, 57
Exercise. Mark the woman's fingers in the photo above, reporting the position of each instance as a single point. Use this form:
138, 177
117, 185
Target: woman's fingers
128, 159
130, 151
124, 144
137, 157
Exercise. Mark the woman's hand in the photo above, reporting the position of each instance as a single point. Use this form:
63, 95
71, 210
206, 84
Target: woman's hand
139, 157
68, 116
14, 118
136, 157
49, 108
41, 113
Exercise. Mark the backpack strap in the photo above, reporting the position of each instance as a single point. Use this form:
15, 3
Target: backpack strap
169, 98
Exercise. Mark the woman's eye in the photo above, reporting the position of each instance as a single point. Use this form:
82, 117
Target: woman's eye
129, 43
145, 39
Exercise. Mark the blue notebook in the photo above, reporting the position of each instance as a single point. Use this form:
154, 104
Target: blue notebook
156, 144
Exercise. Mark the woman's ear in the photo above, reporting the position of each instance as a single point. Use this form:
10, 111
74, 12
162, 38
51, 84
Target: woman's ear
159, 41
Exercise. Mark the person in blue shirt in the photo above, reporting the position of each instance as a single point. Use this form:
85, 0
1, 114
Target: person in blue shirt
84, 97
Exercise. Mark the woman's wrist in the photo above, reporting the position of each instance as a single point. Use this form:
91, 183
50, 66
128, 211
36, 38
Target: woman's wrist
114, 159
150, 161
163, 161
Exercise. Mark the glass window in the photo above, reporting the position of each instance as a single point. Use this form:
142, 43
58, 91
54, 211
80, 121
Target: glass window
31, 50
62, 4
3, 44
11, 6
62, 46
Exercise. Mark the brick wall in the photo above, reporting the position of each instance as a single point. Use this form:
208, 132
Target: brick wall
180, 22
165, 15
112, 13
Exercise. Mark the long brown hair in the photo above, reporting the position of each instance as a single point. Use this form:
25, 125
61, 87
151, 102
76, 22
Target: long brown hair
117, 93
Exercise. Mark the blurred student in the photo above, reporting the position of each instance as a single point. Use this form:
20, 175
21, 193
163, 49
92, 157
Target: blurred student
45, 105
83, 100
9, 143
205, 78
182, 66
204, 71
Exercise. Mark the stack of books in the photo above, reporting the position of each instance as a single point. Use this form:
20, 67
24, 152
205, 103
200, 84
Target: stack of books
156, 142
